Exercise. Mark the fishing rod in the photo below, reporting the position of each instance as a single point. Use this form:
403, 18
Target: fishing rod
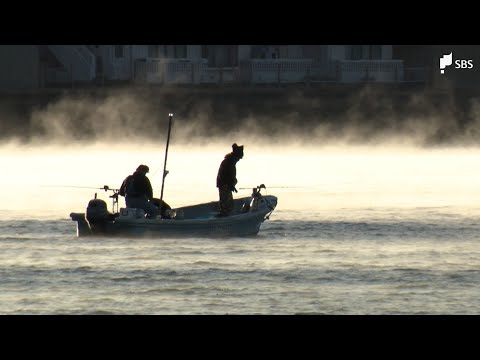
105, 187
272, 187
114, 196
165, 172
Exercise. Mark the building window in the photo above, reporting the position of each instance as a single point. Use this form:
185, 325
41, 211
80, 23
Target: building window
180, 51
204, 51
157, 51
357, 52
318, 53
220, 55
119, 51
232, 55
153, 51
208, 52
375, 52
259, 52
370, 52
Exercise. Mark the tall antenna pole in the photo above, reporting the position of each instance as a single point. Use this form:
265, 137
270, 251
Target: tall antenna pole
165, 172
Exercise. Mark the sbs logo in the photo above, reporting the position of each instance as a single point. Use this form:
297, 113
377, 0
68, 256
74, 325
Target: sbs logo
447, 60
463, 64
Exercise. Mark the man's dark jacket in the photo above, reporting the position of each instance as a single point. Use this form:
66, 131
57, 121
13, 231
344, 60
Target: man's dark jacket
137, 185
227, 173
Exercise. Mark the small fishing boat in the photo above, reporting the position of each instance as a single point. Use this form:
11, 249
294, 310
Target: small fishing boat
199, 220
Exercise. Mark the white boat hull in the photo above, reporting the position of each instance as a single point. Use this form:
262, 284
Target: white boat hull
191, 221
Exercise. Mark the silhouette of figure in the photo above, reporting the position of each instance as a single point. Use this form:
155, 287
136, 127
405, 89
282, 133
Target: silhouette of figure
227, 179
138, 192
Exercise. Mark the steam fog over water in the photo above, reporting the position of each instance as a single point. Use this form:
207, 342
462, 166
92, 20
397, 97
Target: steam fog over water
377, 209
59, 180
369, 116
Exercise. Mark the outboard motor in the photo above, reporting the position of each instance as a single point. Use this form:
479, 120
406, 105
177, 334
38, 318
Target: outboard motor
97, 214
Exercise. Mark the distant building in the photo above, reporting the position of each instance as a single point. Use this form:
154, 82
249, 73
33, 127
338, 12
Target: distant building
271, 64
67, 65
19, 67
44, 66
418, 62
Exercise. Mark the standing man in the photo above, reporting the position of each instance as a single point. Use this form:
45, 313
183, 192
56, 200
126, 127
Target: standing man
138, 192
227, 179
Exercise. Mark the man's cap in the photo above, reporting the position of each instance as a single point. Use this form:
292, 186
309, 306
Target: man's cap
238, 150
143, 168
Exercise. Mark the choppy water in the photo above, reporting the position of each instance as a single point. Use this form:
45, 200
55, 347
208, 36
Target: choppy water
416, 260
356, 231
